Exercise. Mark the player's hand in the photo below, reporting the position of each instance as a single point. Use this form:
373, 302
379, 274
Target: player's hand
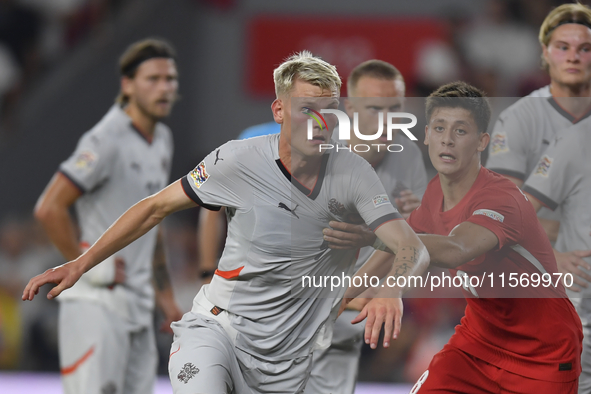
406, 203
378, 311
569, 263
64, 276
357, 304
348, 236
172, 313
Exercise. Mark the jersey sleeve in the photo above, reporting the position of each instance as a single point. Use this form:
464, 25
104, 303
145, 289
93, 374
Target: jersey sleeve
217, 182
508, 149
92, 162
500, 213
371, 200
556, 174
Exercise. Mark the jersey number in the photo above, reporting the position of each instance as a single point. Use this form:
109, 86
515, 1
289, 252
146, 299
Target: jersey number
419, 383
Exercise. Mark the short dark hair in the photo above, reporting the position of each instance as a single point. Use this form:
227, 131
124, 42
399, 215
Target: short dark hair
463, 95
373, 68
139, 52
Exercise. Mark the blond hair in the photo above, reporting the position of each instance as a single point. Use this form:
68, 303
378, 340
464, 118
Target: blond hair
308, 68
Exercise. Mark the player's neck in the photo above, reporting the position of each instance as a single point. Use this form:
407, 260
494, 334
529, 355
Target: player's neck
303, 168
575, 99
144, 123
457, 185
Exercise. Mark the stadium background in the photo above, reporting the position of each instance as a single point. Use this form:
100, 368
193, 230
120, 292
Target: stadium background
58, 76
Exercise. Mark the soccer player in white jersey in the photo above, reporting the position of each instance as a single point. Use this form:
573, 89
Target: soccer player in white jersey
106, 336
524, 130
563, 179
374, 87
253, 329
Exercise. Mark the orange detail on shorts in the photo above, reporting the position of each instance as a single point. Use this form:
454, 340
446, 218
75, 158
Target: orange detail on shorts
74, 367
84, 245
229, 274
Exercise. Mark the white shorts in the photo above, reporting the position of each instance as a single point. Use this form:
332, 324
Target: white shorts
204, 360
100, 355
335, 369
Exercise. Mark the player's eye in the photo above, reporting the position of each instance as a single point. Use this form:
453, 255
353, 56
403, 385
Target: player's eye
460, 131
586, 49
439, 128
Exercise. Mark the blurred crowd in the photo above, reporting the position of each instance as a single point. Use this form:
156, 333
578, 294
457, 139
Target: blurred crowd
34, 36
497, 51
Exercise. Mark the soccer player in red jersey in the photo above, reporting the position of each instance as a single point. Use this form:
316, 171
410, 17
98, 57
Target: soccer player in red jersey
485, 224
477, 223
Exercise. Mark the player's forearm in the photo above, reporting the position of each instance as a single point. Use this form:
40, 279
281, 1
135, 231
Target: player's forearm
160, 275
411, 258
135, 222
446, 252
60, 229
379, 264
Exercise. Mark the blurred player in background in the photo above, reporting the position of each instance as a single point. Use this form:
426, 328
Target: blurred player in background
476, 222
374, 87
253, 329
106, 336
524, 130
563, 179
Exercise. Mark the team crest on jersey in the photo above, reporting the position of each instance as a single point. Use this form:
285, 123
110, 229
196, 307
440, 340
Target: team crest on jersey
544, 166
199, 175
380, 200
335, 207
490, 214
187, 372
498, 143
85, 159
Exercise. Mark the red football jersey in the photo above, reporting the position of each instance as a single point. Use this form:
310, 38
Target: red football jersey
538, 337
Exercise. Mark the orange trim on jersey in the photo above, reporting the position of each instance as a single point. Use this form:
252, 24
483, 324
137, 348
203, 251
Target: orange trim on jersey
72, 368
229, 274
174, 352
296, 179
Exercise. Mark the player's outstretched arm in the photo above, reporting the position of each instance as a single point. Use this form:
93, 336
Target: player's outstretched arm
411, 258
464, 243
134, 223
569, 262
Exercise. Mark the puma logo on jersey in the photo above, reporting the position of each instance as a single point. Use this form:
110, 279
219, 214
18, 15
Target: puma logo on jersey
283, 206
217, 157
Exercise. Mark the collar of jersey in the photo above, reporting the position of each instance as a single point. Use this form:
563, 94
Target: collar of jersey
311, 194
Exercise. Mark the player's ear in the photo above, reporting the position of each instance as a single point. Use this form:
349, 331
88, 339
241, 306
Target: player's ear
545, 53
426, 142
277, 107
483, 141
127, 86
